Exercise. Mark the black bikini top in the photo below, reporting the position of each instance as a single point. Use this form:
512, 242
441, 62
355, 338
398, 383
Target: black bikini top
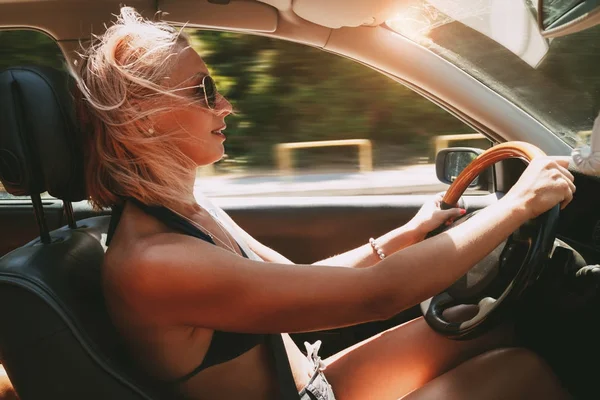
224, 346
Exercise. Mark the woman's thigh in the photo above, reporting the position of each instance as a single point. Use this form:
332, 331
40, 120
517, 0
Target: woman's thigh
402, 359
6, 389
496, 375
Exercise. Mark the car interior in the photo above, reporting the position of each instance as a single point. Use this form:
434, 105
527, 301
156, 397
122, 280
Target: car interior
56, 338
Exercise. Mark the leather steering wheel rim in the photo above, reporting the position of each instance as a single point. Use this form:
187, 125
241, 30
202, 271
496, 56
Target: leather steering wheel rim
503, 151
540, 242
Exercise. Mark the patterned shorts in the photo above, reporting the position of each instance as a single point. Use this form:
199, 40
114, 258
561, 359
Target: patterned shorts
317, 388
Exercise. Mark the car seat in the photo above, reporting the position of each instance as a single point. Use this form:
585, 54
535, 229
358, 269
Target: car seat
56, 339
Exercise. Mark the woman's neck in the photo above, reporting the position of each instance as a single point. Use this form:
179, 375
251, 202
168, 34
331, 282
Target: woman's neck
189, 205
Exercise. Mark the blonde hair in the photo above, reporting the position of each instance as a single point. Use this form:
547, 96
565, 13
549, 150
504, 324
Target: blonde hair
120, 87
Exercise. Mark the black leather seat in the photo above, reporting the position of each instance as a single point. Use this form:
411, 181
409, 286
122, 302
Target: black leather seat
56, 339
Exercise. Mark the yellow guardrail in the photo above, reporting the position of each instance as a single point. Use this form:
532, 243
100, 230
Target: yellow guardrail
443, 141
283, 152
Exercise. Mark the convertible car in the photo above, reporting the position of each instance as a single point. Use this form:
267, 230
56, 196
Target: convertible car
501, 68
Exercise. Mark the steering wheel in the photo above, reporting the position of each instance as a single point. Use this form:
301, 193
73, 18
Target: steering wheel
500, 278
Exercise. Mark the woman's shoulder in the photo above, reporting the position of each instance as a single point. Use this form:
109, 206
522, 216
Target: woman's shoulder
133, 252
138, 243
137, 270
144, 250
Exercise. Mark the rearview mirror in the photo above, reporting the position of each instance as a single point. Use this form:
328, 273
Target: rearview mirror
563, 17
449, 163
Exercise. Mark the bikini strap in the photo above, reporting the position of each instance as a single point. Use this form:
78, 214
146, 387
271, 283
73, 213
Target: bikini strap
163, 214
115, 217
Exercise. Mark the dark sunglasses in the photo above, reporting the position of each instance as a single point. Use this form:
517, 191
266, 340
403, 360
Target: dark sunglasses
207, 90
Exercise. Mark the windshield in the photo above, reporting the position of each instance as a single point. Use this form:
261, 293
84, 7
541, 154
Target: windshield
497, 42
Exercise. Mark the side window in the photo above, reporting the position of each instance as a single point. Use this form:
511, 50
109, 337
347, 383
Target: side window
312, 123
27, 47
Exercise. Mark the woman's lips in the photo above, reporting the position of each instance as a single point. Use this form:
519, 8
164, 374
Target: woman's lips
219, 132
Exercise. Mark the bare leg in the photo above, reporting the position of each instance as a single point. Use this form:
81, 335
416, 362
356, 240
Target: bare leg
402, 359
496, 375
7, 392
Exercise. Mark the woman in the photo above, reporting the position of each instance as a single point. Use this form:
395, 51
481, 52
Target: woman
178, 276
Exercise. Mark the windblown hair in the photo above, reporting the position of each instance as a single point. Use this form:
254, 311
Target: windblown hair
121, 83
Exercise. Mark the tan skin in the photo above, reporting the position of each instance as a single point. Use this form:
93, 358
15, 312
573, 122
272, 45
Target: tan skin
168, 292
7, 392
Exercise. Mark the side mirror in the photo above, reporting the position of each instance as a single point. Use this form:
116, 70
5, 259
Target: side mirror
449, 163
563, 17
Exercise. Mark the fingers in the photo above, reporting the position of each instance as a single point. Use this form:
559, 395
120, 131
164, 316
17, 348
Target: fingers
566, 172
568, 177
572, 187
564, 176
563, 161
452, 214
455, 212
568, 198
569, 189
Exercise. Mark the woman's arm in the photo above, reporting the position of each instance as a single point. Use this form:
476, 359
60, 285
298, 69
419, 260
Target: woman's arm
207, 286
364, 256
429, 217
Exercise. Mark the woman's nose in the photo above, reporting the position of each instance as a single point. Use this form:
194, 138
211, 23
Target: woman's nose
223, 105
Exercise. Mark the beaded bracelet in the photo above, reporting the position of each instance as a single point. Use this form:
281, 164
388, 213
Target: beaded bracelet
376, 248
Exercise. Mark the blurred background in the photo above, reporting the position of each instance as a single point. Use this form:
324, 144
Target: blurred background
289, 93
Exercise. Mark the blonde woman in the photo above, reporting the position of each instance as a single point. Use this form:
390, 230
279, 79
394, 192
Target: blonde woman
194, 296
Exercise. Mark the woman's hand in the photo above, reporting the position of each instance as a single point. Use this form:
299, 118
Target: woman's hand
430, 216
545, 183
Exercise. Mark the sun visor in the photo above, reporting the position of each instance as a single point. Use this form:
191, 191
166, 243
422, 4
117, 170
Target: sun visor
509, 22
339, 13
236, 15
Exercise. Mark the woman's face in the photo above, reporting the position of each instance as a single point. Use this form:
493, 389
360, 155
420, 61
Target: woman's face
197, 129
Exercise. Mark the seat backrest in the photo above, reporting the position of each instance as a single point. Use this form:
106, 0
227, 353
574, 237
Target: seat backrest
56, 338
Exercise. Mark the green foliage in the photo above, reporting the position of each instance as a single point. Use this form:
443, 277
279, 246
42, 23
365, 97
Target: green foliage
28, 47
286, 92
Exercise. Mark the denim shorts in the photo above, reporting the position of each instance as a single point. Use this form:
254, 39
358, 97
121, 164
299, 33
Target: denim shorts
317, 388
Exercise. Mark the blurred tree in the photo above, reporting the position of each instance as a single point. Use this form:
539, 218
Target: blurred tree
286, 92
29, 47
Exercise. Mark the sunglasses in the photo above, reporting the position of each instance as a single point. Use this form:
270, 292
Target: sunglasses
207, 90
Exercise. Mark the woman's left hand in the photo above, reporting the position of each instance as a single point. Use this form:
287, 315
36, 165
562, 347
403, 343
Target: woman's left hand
430, 216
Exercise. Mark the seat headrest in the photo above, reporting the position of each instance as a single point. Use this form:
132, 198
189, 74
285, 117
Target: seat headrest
40, 148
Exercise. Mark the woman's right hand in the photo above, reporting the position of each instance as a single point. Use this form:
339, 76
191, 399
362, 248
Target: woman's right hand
545, 183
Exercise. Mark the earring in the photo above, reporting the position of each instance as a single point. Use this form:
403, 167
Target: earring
151, 131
